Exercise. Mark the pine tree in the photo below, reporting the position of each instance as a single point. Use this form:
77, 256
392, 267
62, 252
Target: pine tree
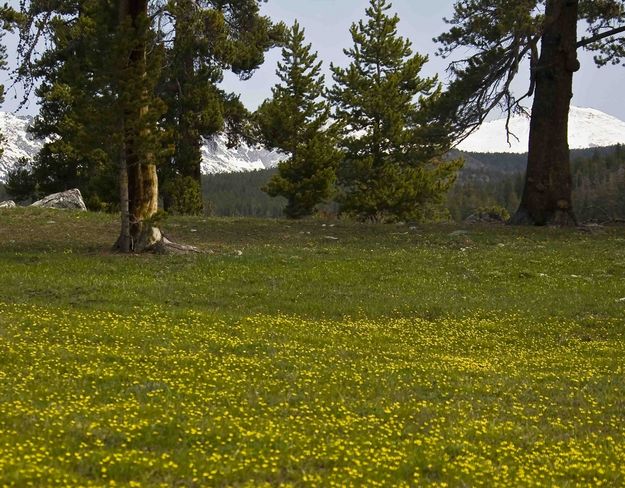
207, 39
102, 73
500, 34
99, 73
75, 99
392, 168
296, 122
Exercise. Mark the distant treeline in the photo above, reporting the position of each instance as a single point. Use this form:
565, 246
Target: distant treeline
496, 180
240, 195
488, 180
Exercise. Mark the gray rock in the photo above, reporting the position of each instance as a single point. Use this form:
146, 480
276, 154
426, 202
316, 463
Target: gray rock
8, 204
67, 200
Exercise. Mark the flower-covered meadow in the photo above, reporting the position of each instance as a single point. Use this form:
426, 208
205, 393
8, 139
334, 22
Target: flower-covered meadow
385, 356
149, 399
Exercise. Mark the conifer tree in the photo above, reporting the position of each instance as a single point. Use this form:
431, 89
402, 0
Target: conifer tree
102, 69
500, 34
75, 117
393, 168
208, 38
99, 73
296, 122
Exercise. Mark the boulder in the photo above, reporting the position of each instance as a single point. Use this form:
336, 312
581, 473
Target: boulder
67, 200
7, 204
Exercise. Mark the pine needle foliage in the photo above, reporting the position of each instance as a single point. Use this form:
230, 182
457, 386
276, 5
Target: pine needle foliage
393, 167
204, 39
296, 121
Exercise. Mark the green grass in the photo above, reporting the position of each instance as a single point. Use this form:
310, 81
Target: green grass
310, 354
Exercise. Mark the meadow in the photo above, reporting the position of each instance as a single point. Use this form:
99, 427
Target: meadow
310, 354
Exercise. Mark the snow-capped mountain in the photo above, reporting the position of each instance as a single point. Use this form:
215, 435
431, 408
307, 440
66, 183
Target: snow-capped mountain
18, 143
587, 128
216, 156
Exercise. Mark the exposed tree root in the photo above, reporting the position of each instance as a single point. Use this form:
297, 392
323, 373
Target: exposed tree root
152, 240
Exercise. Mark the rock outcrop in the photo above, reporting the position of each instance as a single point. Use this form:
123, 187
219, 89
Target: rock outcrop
7, 204
67, 200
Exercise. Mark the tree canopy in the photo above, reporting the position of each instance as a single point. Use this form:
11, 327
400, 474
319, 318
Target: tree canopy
500, 35
392, 167
296, 120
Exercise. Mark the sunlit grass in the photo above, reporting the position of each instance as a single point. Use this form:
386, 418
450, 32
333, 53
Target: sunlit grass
391, 357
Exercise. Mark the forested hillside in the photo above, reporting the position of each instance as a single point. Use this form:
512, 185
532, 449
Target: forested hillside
496, 180
240, 195
487, 180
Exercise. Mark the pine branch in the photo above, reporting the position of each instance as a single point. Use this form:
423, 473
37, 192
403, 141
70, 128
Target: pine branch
586, 41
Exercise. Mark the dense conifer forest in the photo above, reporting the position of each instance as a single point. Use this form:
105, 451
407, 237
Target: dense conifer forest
488, 180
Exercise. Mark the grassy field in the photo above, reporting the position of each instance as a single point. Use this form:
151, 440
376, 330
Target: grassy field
310, 354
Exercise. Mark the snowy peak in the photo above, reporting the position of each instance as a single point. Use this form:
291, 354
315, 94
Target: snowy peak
217, 157
18, 143
587, 128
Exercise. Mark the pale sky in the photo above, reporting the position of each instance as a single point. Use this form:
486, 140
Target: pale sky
327, 25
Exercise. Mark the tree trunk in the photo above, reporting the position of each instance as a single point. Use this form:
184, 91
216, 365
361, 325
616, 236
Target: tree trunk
547, 197
142, 182
124, 243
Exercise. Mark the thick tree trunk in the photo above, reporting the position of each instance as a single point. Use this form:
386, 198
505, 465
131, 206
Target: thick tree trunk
124, 243
140, 179
547, 198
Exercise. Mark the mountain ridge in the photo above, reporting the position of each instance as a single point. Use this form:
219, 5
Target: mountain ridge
217, 157
588, 128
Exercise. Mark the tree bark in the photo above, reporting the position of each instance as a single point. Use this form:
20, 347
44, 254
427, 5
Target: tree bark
124, 243
138, 178
140, 167
547, 197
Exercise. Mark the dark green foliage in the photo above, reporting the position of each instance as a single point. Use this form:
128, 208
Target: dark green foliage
207, 38
21, 184
393, 168
240, 195
185, 194
307, 179
101, 100
85, 88
296, 121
